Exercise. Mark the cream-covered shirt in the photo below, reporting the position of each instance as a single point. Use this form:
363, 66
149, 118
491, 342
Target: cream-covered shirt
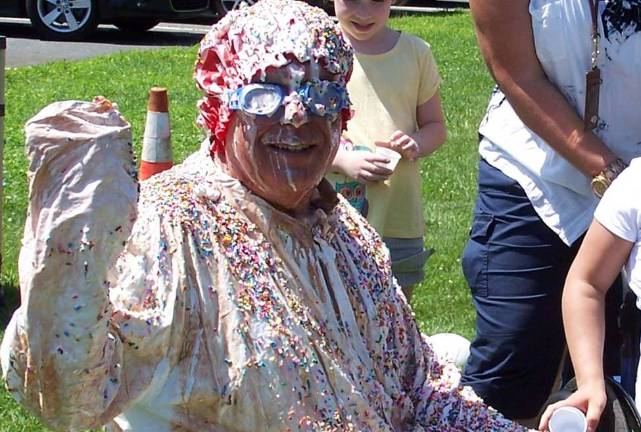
217, 312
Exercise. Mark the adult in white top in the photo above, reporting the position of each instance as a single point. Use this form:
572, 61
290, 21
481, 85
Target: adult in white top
248, 296
612, 242
537, 161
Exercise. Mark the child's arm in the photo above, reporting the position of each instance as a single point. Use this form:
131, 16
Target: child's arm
430, 135
599, 261
363, 166
604, 251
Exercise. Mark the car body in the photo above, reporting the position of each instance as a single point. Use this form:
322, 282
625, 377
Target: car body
75, 19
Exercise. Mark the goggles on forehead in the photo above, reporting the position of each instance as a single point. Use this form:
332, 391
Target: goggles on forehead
321, 98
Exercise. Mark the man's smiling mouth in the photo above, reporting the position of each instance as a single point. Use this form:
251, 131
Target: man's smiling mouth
291, 146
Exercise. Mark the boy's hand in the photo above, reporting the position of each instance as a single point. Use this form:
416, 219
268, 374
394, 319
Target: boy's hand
365, 166
590, 398
403, 144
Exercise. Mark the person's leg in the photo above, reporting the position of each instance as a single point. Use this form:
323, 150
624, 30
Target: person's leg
408, 290
408, 260
515, 267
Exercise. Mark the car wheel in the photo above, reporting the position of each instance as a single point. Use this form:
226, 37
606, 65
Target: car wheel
63, 19
135, 25
224, 6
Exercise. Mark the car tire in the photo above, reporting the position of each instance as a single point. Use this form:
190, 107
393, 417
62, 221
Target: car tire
63, 19
136, 24
224, 6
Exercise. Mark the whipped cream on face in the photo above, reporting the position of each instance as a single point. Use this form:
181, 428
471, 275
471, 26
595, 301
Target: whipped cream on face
247, 41
284, 138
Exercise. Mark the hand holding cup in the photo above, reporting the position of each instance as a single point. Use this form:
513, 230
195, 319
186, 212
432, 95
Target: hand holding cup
568, 419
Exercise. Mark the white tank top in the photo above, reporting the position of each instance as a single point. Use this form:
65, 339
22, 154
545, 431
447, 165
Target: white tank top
559, 192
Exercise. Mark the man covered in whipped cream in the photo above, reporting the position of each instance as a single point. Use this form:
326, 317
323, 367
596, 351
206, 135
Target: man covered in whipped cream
234, 292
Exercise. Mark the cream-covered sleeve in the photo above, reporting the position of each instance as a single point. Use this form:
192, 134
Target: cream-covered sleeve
432, 398
61, 352
426, 392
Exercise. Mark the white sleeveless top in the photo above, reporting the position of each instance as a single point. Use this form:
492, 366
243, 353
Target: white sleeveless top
559, 192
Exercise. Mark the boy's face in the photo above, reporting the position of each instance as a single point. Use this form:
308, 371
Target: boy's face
362, 20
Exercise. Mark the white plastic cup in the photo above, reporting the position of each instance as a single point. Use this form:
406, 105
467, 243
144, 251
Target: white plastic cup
568, 419
390, 154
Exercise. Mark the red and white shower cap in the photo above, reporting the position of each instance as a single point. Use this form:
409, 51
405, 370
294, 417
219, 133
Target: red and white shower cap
247, 41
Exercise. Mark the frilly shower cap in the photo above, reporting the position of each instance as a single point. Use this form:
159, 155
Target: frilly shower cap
247, 41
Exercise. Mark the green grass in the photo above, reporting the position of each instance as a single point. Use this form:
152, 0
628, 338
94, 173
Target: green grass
441, 303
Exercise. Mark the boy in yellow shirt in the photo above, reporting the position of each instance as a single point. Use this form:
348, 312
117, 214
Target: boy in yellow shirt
396, 102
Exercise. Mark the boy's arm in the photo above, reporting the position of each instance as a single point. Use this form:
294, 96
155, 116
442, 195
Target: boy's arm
599, 261
430, 135
364, 166
605, 250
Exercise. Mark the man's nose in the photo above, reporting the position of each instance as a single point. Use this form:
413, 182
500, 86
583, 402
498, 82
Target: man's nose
296, 113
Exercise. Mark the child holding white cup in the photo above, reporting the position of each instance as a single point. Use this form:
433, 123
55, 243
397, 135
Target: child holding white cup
612, 242
394, 89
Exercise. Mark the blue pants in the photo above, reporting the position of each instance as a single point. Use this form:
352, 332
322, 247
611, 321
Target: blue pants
515, 267
408, 259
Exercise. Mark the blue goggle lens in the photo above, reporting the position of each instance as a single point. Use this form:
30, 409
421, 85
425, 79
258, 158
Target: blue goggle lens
325, 99
261, 100
321, 99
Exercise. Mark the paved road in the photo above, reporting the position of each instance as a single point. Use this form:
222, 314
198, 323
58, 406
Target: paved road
25, 48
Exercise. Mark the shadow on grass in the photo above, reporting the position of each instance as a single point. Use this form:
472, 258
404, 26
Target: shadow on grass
9, 302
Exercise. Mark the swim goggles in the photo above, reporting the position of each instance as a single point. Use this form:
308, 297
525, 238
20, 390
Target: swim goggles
321, 98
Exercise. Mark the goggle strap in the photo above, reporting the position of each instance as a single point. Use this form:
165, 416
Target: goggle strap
232, 97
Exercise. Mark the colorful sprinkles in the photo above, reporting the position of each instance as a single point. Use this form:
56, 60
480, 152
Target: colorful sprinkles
310, 360
237, 314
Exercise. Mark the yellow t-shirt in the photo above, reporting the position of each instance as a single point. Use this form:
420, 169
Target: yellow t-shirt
385, 90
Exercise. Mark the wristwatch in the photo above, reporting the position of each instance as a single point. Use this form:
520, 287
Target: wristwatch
602, 180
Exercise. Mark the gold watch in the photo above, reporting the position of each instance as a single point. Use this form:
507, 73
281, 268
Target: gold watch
602, 180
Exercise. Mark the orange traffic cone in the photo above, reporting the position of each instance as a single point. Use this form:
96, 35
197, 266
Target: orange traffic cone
156, 145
